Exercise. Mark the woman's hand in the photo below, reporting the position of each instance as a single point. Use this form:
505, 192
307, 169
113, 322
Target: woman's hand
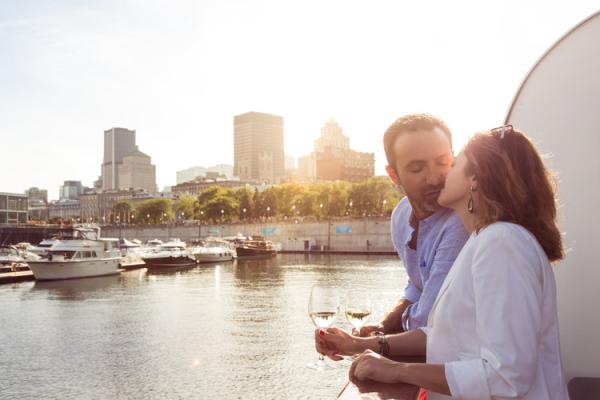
335, 343
373, 366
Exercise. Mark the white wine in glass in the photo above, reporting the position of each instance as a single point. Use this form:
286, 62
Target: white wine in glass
323, 308
358, 308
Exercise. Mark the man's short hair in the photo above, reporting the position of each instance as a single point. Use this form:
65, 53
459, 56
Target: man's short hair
410, 123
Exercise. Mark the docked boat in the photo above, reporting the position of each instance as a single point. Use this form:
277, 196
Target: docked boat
9, 255
172, 254
214, 250
79, 253
132, 255
42, 248
254, 247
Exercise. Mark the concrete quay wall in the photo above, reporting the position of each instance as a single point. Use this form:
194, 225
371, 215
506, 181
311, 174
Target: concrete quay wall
366, 235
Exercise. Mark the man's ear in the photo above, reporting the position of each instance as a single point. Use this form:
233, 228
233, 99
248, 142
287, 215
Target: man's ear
392, 174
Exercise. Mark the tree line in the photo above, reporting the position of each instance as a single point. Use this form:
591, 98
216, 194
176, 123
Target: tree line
376, 196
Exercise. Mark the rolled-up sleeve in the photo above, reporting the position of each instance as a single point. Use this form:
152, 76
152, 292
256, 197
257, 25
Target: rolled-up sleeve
508, 294
453, 240
411, 292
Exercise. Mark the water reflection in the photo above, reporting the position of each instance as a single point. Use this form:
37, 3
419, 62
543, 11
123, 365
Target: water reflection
77, 289
224, 330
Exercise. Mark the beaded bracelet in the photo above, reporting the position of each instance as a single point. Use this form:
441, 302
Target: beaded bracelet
384, 346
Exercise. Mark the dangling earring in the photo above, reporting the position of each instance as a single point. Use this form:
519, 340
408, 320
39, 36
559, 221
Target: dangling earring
470, 203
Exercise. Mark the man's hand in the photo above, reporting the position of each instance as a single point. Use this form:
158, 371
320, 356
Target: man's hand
373, 366
368, 330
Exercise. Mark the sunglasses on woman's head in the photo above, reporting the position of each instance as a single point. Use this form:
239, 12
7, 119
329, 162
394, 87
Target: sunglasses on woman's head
502, 130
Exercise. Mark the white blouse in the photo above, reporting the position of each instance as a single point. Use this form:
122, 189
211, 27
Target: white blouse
494, 323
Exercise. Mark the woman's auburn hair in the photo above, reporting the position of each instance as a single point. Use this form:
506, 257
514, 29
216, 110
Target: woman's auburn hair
514, 186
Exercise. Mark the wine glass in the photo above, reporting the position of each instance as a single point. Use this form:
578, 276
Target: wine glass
323, 307
358, 308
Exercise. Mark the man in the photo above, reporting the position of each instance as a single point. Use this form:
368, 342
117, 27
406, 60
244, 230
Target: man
427, 237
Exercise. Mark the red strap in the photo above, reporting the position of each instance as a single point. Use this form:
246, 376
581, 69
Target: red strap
422, 394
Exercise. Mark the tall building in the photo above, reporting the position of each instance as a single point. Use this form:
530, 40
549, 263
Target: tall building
118, 142
124, 165
258, 147
70, 190
137, 172
332, 136
333, 159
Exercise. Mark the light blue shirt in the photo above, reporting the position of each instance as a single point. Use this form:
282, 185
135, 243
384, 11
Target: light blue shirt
440, 238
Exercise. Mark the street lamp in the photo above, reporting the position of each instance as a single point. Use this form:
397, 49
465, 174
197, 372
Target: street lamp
148, 218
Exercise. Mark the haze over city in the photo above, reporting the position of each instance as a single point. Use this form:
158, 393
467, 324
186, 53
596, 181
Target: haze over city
177, 73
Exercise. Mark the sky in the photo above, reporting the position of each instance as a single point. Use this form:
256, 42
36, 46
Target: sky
178, 71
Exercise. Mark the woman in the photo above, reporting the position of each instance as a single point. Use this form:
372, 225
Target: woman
493, 329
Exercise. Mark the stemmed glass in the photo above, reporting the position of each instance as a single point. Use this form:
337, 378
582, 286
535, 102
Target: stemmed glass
358, 308
323, 308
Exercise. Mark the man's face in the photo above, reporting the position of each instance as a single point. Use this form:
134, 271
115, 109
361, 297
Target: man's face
423, 159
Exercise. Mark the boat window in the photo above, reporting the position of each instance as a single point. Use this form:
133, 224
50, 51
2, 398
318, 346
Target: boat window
68, 254
93, 254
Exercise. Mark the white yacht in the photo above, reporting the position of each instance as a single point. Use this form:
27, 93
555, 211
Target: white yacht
214, 250
168, 255
80, 253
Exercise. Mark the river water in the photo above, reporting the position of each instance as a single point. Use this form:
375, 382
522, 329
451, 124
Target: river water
219, 331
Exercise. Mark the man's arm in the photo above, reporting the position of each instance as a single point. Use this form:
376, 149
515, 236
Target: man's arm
392, 322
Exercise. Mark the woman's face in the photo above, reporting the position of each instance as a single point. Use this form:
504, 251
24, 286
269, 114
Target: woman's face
455, 193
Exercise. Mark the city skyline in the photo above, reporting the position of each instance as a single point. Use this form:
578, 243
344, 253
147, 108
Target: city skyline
173, 74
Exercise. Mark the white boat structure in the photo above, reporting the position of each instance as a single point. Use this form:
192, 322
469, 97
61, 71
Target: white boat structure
169, 255
214, 250
132, 254
9, 255
42, 248
79, 253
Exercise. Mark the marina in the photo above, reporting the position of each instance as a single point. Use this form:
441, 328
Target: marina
175, 334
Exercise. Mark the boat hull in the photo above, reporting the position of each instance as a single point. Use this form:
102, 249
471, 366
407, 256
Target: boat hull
208, 258
243, 252
169, 262
44, 270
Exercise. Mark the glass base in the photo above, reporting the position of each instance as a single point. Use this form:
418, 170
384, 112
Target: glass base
321, 365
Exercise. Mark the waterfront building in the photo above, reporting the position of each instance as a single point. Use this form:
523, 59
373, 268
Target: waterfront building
221, 171
258, 147
98, 206
13, 208
64, 210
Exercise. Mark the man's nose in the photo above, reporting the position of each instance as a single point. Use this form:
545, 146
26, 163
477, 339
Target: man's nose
435, 177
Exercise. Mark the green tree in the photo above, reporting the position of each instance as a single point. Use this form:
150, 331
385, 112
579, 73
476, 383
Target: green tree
216, 204
184, 207
245, 198
154, 211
